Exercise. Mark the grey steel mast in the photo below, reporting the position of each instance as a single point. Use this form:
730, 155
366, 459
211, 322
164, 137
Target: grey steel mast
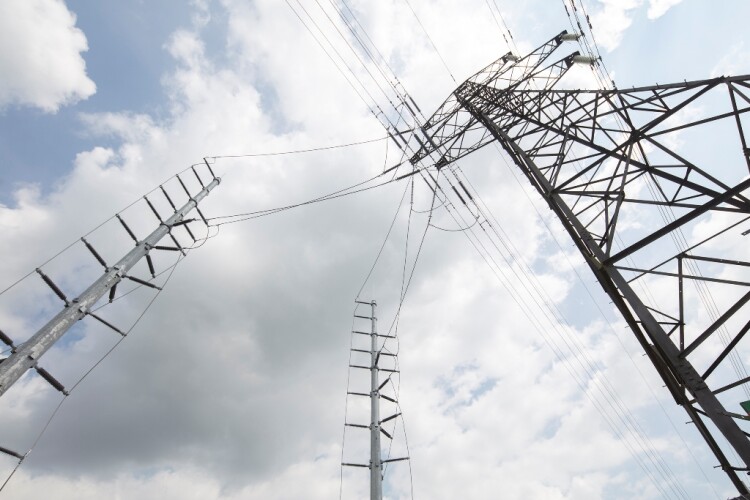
376, 466
376, 353
26, 355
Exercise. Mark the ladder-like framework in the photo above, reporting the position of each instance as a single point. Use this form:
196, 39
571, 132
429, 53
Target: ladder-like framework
644, 216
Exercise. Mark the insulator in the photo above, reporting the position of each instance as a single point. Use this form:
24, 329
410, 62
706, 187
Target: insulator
51, 380
6, 340
198, 177
142, 282
205, 160
570, 37
171, 203
52, 285
205, 221
184, 187
384, 382
390, 418
127, 228
11, 453
153, 209
94, 252
107, 323
388, 398
150, 265
584, 59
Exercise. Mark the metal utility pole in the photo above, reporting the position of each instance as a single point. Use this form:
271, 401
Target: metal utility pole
602, 156
376, 473
375, 353
26, 355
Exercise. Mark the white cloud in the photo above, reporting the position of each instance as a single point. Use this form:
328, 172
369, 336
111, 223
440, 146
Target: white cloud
734, 62
40, 55
232, 386
657, 8
612, 20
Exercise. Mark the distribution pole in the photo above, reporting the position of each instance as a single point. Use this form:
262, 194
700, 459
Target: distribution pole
376, 475
26, 356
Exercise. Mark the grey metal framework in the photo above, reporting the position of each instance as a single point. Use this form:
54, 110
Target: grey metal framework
662, 233
26, 355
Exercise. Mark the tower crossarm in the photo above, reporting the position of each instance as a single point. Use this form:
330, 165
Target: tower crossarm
449, 132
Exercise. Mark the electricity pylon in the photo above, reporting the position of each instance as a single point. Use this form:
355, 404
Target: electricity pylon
26, 355
375, 353
641, 214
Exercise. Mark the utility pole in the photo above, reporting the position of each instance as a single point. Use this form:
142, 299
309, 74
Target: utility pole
375, 353
26, 355
376, 473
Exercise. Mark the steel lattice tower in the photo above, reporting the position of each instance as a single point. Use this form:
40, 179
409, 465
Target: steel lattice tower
606, 162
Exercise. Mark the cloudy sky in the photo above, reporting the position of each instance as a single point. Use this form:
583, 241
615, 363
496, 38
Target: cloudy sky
232, 385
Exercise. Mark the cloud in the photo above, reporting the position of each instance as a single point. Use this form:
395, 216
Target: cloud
734, 62
657, 8
232, 386
40, 55
611, 21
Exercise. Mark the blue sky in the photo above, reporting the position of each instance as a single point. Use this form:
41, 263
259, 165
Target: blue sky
233, 384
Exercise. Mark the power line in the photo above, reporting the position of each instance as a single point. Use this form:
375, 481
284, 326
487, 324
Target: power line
299, 151
429, 38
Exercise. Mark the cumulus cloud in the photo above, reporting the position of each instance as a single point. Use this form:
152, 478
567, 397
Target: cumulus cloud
657, 8
734, 62
612, 20
232, 386
40, 55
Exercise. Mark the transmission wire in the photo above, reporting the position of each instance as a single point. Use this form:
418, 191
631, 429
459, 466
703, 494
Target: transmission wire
506, 282
431, 42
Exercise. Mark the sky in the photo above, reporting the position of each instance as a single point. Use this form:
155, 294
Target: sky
233, 383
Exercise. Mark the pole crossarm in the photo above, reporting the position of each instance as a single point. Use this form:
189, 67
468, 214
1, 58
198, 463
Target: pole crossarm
27, 354
648, 200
